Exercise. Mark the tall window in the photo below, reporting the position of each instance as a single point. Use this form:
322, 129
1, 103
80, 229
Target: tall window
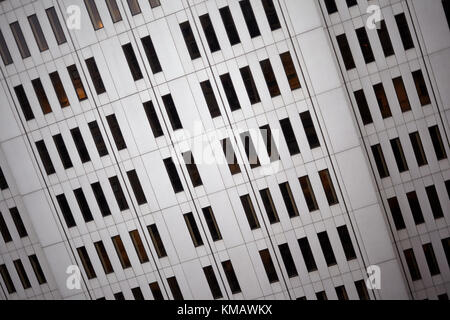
193, 229
153, 120
438, 144
65, 210
134, 7
380, 161
157, 241
175, 288
4, 230
22, 274
103, 256
419, 152
137, 187
271, 14
83, 205
114, 11
62, 151
414, 205
271, 211
192, 169
152, 57
86, 262
230, 93
137, 294
172, 112
402, 95
156, 291
446, 245
18, 222
382, 100
45, 157
308, 193
139, 246
249, 17
363, 107
24, 103
288, 261
327, 249
59, 89
331, 6
403, 28
346, 242
435, 203
364, 43
189, 39
270, 78
4, 51
396, 213
421, 87
132, 61
250, 212
269, 267
288, 198
37, 32
385, 39
399, 156
173, 175
212, 223
250, 85
341, 293
3, 182
96, 20
80, 145
231, 277
361, 289
212, 282
269, 142
412, 264
250, 150
118, 193
56, 25
431, 259
41, 95
7, 279
210, 98
346, 52
77, 83
98, 138
289, 136
101, 199
289, 69
210, 34
310, 131
229, 25
116, 132
20, 40
95, 75
230, 156
328, 187
37, 269
121, 252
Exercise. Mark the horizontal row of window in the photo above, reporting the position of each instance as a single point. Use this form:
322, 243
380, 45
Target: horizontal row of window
18, 222
341, 292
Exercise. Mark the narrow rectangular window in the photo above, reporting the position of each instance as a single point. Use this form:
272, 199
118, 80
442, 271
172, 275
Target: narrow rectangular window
271, 14
24, 103
95, 75
4, 230
308, 193
435, 204
62, 151
210, 34
289, 136
103, 256
189, 39
7, 279
83, 205
18, 222
37, 269
341, 293
289, 69
56, 25
346, 52
65, 210
396, 213
364, 43
361, 289
132, 61
4, 51
154, 3
152, 57
137, 187
250, 19
331, 6
446, 245
271, 211
288, 198
96, 20
153, 119
421, 87
419, 152
321, 295
402, 95
378, 155
351, 3
270, 78
3, 182
134, 7
193, 229
288, 261
446, 5
230, 93
45, 157
447, 186
175, 288
414, 205
41, 95
383, 35
121, 252
399, 155
137, 294
172, 112
438, 144
328, 187
173, 175
118, 193
80, 145
403, 28
101, 199
98, 138
363, 107
37, 32
250, 150
59, 89
310, 131
20, 40
269, 267
382, 100
250, 212
139, 246
156, 291
250, 85
86, 262
230, 156
77, 83
431, 259
327, 249
192, 169
114, 11
412, 264
212, 224
269, 142
210, 98
212, 282
346, 242
157, 241
307, 253
229, 25
116, 132
231, 277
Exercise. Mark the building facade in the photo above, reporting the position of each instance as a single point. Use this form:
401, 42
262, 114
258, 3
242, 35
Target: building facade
224, 149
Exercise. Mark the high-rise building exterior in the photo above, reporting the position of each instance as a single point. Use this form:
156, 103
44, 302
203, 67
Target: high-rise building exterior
224, 149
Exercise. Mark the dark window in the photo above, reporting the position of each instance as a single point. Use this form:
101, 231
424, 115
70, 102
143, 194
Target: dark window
98, 138
250, 150
331, 6
230, 93
15, 215
212, 282
447, 186
121, 252
24, 103
175, 288
189, 39
271, 14
62, 151
37, 269
289, 69
132, 61
116, 132
137, 187
56, 25
229, 25
402, 95
4, 230
380, 161
37, 32
396, 213
7, 279
172, 112
363, 107
310, 131
192, 169
139, 246
419, 152
269, 76
114, 10
383, 35
288, 261
101, 199
249, 212
20, 40
3, 182
346, 52
269, 142
351, 3
421, 87
446, 245
446, 5
361, 289
93, 14
103, 256
328, 187
45, 157
288, 198
230, 156
269, 206
65, 210
137, 293
41, 95
152, 57
399, 155
231, 277
193, 229
87, 264
134, 7
250, 85
153, 119
154, 3
212, 224
364, 43
250, 19
341, 293
435, 204
415, 207
382, 100
308, 193
327, 249
346, 242
210, 98
83, 204
77, 83
210, 34
403, 28
173, 175
269, 267
59, 89
157, 241
156, 291
307, 254
4, 51
118, 193
289, 135
95, 75
412, 264
438, 144
431, 259
321, 296
80, 145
